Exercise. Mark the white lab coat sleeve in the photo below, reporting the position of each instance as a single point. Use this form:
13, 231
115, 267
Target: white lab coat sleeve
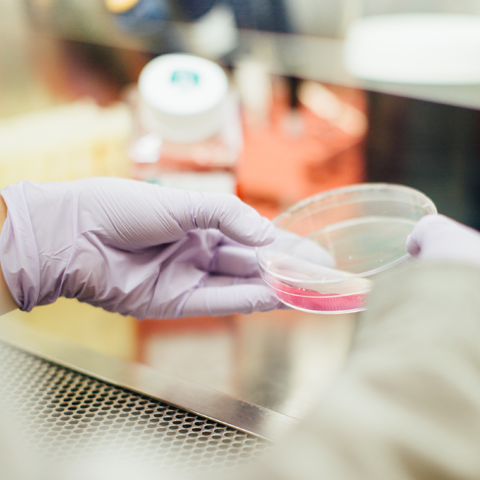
407, 403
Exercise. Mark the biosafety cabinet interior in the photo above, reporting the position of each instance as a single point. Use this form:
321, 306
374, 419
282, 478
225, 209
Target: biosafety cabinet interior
206, 393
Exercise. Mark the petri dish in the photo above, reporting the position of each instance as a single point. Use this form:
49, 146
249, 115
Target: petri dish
331, 246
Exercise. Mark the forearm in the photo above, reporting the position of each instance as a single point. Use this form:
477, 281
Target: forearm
407, 404
7, 304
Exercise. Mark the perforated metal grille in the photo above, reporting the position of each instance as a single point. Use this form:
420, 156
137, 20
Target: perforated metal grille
65, 414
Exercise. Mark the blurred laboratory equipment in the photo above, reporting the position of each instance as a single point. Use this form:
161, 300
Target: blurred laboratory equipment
187, 131
426, 49
140, 17
65, 143
305, 138
213, 35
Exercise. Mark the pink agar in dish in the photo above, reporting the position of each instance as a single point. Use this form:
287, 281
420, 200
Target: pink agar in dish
321, 302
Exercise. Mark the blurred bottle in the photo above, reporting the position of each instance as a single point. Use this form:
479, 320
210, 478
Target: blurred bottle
187, 130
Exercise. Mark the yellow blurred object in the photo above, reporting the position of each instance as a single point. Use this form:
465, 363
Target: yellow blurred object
119, 6
84, 325
65, 143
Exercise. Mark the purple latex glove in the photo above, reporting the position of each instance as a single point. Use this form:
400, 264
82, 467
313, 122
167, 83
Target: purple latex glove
133, 248
439, 238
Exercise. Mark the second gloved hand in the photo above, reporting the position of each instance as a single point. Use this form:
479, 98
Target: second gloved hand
133, 248
439, 238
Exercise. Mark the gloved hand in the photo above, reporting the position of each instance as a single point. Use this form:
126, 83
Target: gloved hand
439, 238
133, 248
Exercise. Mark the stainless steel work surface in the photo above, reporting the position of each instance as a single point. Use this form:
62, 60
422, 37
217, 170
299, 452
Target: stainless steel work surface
71, 403
42, 350
65, 416
279, 362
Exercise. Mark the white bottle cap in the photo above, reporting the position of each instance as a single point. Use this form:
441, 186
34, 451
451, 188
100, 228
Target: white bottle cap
435, 49
183, 97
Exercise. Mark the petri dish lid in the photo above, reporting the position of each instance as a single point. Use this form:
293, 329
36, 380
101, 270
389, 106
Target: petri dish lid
343, 235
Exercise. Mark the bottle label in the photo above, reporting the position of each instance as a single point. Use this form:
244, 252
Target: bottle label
185, 80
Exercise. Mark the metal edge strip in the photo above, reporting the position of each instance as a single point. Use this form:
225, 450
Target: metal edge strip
195, 398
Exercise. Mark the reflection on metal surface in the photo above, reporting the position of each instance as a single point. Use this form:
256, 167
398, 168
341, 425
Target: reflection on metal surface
64, 416
281, 360
290, 358
171, 389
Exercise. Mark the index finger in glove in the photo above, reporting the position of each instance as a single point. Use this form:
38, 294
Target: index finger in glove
226, 213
